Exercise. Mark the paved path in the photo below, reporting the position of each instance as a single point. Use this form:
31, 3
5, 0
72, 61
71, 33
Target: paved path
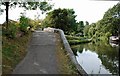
41, 57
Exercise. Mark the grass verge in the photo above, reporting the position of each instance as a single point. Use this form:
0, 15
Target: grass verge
13, 51
73, 40
64, 63
74, 37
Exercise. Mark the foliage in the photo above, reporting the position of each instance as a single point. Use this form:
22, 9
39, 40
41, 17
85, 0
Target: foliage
74, 37
64, 19
11, 31
80, 27
92, 30
13, 51
34, 24
77, 40
86, 29
109, 25
17, 29
61, 18
24, 24
108, 55
42, 5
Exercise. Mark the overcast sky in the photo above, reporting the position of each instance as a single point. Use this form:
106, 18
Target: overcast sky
86, 10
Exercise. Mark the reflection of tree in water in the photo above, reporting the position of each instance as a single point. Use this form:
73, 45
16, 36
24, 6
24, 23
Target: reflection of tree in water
74, 51
77, 48
107, 54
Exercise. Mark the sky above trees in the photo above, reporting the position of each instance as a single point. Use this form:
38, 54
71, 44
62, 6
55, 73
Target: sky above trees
86, 10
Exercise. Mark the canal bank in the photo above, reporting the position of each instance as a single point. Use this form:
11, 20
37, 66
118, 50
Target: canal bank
97, 58
70, 52
93, 58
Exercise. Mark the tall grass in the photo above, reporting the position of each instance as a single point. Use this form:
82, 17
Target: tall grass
13, 51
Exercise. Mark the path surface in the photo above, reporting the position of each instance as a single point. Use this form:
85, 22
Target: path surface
41, 57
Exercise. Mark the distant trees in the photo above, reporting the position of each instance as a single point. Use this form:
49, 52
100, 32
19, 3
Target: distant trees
61, 18
64, 19
86, 28
107, 26
80, 26
112, 19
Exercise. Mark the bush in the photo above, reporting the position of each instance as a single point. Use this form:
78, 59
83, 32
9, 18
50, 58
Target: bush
11, 31
24, 24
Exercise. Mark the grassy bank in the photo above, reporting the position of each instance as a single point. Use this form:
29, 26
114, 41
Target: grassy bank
73, 40
64, 62
74, 37
13, 51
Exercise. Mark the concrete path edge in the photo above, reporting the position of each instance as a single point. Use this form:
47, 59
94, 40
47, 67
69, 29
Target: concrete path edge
70, 52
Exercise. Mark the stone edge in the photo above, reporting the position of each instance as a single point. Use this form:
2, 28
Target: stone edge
70, 52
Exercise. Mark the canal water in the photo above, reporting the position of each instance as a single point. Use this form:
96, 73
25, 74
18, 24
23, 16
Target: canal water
97, 58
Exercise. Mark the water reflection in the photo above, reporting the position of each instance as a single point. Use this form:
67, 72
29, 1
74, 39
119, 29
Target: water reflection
98, 58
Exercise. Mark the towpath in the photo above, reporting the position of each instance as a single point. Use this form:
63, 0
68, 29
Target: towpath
41, 57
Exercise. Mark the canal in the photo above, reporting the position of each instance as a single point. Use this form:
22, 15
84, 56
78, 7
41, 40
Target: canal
97, 58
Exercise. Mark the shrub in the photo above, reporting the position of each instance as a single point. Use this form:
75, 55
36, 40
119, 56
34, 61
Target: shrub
24, 24
11, 31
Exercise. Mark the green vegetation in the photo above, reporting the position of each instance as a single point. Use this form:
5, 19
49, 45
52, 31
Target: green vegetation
63, 19
69, 37
100, 31
11, 31
16, 35
17, 29
60, 18
63, 59
106, 27
44, 6
108, 55
73, 40
15, 40
13, 51
24, 24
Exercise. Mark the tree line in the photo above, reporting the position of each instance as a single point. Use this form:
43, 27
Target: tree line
64, 19
108, 26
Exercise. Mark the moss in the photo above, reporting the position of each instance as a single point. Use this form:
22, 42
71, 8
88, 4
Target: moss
13, 51
64, 63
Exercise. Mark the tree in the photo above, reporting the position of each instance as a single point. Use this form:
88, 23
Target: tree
92, 30
86, 28
113, 15
86, 23
61, 18
80, 26
43, 6
107, 26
